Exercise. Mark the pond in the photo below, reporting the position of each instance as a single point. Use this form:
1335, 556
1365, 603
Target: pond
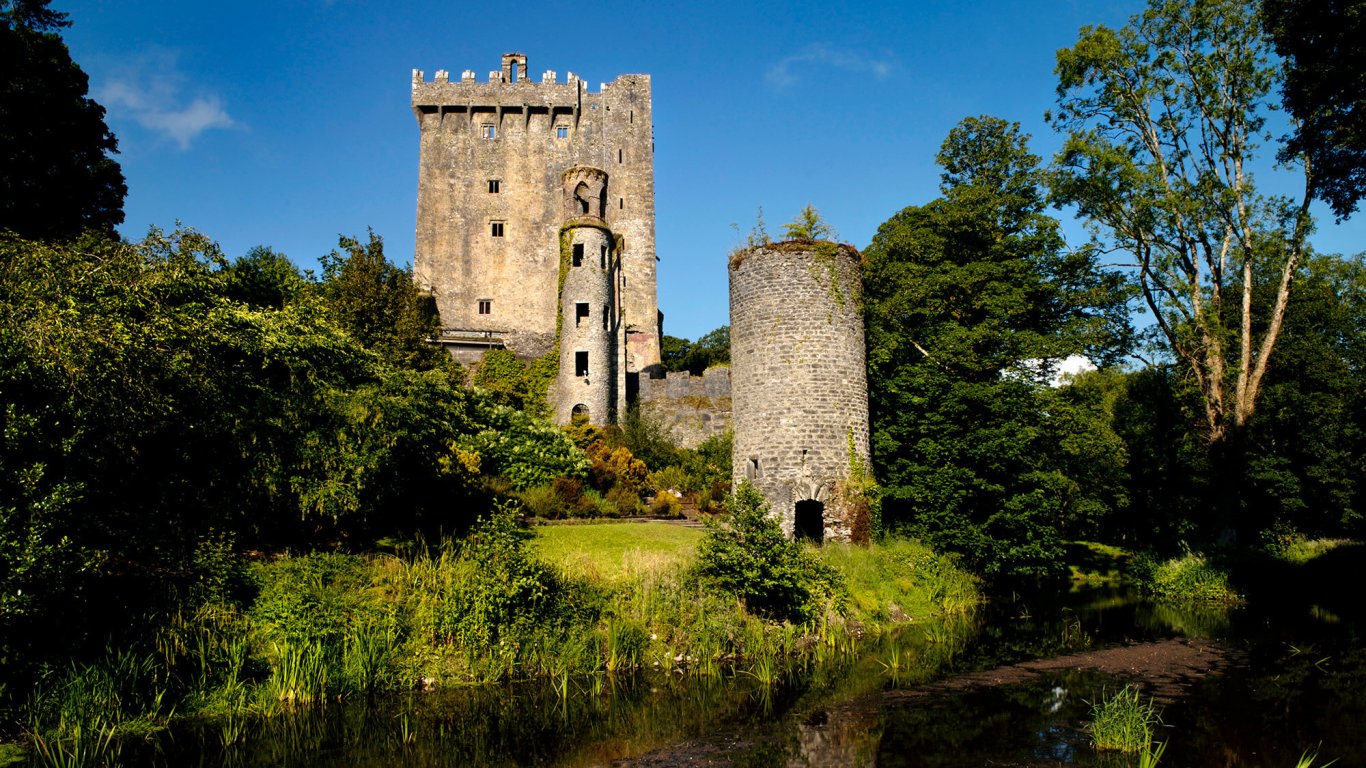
1245, 686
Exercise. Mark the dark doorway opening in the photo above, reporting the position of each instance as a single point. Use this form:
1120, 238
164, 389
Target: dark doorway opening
809, 522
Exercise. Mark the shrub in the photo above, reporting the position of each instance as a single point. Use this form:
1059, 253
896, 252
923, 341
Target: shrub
625, 500
671, 478
542, 502
748, 555
506, 592
665, 504
525, 450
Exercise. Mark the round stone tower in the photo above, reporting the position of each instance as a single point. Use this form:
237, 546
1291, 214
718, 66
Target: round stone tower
799, 384
590, 381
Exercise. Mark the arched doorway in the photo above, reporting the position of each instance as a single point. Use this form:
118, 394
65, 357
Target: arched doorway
809, 521
579, 414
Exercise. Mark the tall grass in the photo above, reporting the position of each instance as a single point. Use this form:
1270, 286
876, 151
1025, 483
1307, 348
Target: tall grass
1191, 576
1124, 722
326, 627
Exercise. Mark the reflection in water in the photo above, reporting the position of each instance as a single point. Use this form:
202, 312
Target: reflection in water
1303, 682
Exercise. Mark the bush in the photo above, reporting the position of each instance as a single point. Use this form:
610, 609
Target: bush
542, 502
625, 501
748, 556
665, 504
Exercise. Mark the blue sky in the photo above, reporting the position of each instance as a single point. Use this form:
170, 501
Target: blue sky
287, 123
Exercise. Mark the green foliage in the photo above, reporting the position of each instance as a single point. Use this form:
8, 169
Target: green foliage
511, 382
264, 279
1191, 577
379, 305
808, 225
1162, 120
711, 348
882, 576
1323, 91
507, 593
747, 555
157, 399
964, 298
523, 449
57, 174
1124, 722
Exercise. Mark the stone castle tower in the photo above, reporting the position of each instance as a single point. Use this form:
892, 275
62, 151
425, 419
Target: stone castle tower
536, 225
799, 383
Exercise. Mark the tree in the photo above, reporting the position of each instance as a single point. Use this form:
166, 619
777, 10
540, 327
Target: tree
378, 303
1324, 45
711, 348
808, 226
1162, 119
57, 176
970, 301
747, 555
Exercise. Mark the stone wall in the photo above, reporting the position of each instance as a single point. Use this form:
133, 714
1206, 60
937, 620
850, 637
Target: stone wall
492, 156
691, 408
799, 381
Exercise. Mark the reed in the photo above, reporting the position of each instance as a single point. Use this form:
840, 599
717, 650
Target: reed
1124, 722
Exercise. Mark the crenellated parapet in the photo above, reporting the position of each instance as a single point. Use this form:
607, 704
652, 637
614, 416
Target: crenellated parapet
511, 88
506, 163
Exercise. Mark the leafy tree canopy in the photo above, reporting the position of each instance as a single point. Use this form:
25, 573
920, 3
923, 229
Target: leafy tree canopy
57, 176
1162, 119
965, 296
1324, 45
711, 348
377, 302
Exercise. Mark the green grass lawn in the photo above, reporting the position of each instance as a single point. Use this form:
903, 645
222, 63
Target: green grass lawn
615, 551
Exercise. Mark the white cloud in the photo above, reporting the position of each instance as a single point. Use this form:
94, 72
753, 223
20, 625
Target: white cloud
152, 91
782, 73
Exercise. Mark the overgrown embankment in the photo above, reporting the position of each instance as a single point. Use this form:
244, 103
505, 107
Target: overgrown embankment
564, 603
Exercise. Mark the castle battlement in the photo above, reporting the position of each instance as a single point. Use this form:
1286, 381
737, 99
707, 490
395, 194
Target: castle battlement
515, 179
509, 87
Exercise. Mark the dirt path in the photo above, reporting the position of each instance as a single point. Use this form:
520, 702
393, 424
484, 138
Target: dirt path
1165, 669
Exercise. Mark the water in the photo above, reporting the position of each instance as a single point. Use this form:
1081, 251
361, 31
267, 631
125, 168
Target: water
1295, 678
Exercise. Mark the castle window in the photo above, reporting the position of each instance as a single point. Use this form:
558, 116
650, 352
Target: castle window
496, 228
561, 131
488, 131
580, 313
485, 306
604, 317
604, 257
752, 470
621, 203
493, 187
619, 156
580, 363
578, 254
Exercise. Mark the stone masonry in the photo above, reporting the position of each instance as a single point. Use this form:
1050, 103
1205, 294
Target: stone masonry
495, 159
689, 408
799, 381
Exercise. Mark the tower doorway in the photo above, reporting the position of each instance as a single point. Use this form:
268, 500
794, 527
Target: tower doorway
809, 521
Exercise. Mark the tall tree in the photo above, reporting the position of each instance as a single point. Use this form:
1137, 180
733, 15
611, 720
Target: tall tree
57, 176
1324, 45
970, 300
376, 301
1162, 119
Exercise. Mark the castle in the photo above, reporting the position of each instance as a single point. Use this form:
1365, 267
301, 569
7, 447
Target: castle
535, 233
536, 226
